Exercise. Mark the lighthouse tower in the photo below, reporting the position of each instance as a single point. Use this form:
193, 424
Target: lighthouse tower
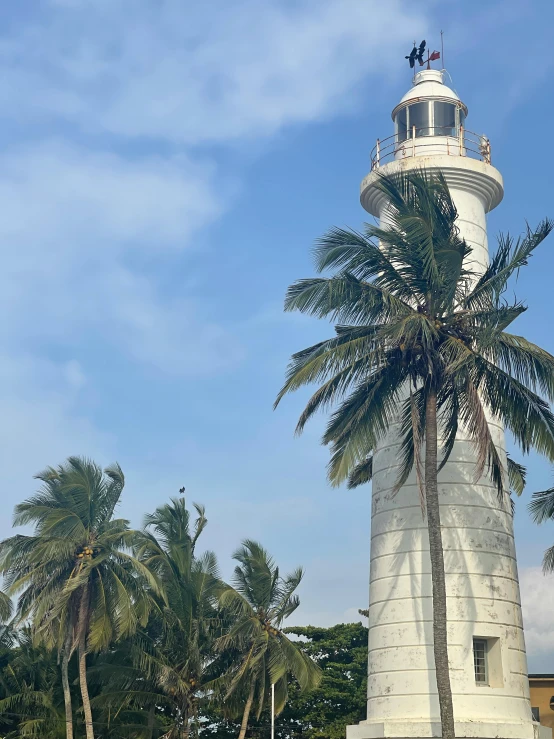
488, 665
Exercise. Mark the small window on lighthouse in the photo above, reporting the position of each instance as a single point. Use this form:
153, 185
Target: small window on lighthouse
480, 661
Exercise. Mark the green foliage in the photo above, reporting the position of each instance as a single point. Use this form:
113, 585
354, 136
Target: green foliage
77, 547
166, 667
31, 698
166, 639
412, 316
321, 713
341, 698
259, 603
75, 577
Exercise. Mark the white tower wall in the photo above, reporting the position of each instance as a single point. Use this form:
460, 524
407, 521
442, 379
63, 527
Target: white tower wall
483, 598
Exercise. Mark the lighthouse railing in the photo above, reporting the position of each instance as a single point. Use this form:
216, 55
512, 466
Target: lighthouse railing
428, 141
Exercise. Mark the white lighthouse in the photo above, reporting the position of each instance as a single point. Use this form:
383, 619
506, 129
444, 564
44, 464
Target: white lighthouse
485, 632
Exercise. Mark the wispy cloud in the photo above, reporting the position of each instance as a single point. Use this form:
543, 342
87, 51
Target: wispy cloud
106, 74
42, 423
209, 72
75, 226
117, 118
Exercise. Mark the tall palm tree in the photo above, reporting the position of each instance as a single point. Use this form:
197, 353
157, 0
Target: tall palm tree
75, 576
419, 331
260, 601
168, 665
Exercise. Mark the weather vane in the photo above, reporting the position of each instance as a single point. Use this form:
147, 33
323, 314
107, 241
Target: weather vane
417, 53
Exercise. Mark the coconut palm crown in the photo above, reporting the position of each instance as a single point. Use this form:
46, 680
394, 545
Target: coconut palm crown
412, 314
76, 577
260, 601
178, 657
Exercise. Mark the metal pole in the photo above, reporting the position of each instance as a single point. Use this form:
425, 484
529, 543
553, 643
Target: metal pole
413, 141
378, 159
272, 710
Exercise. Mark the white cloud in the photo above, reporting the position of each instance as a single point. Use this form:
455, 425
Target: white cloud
74, 222
211, 71
42, 425
109, 201
79, 217
537, 599
94, 219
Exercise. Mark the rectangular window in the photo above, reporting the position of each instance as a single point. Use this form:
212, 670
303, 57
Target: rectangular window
480, 661
445, 119
401, 125
419, 117
536, 714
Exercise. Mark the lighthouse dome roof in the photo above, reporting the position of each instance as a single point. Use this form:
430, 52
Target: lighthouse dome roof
429, 84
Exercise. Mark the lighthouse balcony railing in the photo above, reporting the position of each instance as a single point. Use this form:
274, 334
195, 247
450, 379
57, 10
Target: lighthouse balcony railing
426, 141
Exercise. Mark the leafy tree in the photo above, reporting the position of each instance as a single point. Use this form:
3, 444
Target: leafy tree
75, 576
420, 332
260, 602
341, 698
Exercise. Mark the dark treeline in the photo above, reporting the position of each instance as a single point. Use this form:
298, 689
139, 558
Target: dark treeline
30, 685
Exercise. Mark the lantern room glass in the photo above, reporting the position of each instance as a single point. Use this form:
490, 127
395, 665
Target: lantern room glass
402, 125
444, 119
430, 118
420, 118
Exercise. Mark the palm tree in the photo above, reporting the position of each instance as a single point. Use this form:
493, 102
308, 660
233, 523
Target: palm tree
419, 332
260, 601
169, 664
541, 508
76, 578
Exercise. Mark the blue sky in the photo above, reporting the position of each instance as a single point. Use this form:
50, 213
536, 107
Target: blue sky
165, 167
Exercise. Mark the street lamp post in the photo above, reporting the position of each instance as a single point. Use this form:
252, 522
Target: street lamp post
272, 710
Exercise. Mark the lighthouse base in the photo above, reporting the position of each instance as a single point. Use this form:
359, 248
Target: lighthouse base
464, 730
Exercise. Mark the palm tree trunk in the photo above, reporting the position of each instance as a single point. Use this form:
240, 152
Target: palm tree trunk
83, 608
440, 641
247, 708
66, 690
151, 717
